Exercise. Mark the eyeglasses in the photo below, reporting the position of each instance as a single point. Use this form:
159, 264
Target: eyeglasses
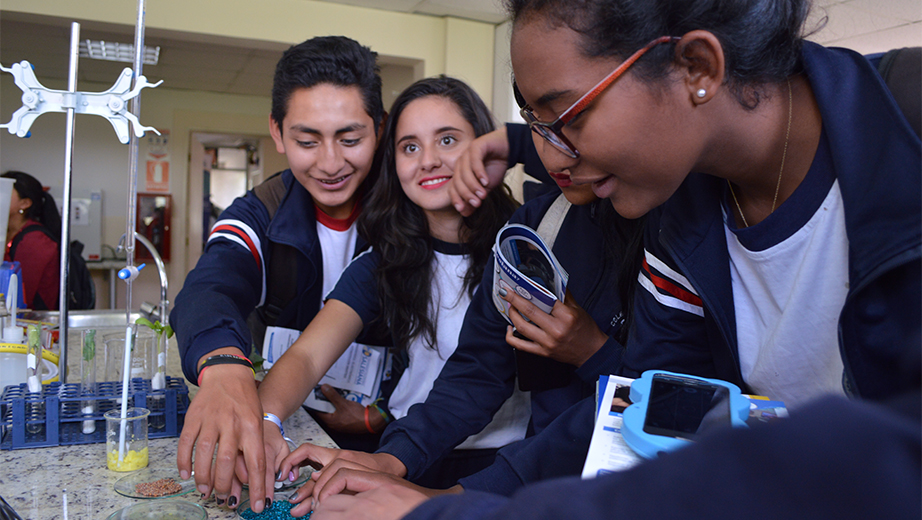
551, 132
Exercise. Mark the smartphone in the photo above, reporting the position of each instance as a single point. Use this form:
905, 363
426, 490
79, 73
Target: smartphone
685, 407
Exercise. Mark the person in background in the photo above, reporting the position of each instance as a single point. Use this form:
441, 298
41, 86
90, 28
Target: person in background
326, 118
33, 232
417, 280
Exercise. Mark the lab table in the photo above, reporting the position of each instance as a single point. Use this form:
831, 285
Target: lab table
32, 480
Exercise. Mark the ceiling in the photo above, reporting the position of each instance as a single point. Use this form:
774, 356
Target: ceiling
236, 66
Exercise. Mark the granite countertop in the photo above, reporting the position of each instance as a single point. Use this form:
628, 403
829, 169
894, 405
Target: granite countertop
32, 480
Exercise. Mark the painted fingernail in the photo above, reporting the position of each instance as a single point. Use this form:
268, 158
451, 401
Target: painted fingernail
291, 476
479, 194
278, 476
232, 501
204, 496
483, 182
293, 497
502, 292
268, 502
474, 202
219, 501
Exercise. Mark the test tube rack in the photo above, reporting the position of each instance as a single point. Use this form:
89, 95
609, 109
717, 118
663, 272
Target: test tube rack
55, 416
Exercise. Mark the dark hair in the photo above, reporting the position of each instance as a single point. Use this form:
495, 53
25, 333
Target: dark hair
398, 229
336, 60
43, 208
761, 39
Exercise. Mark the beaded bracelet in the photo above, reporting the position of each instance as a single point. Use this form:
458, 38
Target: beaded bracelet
223, 359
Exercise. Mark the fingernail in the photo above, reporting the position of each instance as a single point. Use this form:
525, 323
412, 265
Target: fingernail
502, 292
483, 182
315, 475
293, 497
232, 501
459, 207
278, 476
219, 501
184, 475
259, 505
203, 489
204, 496
268, 502
291, 476
479, 194
474, 202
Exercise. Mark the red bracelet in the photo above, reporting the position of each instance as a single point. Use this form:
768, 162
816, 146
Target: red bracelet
368, 422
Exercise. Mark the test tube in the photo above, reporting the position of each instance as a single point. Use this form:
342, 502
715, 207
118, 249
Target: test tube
88, 379
34, 380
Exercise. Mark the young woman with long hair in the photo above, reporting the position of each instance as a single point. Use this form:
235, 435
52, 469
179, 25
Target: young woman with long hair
417, 280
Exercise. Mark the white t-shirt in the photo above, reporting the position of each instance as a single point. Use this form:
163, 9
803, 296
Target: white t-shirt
788, 298
450, 301
337, 244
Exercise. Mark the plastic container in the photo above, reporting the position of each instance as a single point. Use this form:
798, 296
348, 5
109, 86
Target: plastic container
63, 419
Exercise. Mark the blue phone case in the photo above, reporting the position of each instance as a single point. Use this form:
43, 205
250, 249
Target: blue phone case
648, 445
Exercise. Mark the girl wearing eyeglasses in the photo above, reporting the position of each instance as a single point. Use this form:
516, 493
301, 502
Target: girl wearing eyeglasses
780, 188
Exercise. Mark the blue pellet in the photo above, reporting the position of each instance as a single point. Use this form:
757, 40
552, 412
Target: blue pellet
279, 510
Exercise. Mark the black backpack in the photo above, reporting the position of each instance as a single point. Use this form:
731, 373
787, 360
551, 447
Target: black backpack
81, 290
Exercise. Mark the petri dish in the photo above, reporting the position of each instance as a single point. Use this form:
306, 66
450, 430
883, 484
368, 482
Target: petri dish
126, 486
285, 485
277, 511
161, 510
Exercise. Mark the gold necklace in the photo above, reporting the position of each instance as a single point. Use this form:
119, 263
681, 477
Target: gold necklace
784, 155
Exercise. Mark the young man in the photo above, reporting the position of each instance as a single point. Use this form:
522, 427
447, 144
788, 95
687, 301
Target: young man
326, 118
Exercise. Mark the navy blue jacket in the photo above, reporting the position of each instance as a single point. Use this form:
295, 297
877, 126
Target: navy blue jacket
833, 459
877, 161
229, 280
479, 376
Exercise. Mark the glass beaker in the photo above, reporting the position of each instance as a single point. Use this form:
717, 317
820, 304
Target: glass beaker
132, 454
143, 355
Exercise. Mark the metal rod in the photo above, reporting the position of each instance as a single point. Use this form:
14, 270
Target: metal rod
63, 296
134, 108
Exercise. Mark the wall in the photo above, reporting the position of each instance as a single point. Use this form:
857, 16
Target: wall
428, 45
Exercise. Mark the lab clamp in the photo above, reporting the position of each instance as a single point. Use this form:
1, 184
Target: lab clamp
111, 104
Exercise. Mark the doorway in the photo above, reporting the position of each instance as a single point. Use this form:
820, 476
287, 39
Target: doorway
223, 167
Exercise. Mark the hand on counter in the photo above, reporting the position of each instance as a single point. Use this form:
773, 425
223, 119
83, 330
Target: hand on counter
331, 461
357, 494
225, 419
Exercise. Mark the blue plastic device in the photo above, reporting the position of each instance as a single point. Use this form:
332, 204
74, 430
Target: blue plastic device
650, 445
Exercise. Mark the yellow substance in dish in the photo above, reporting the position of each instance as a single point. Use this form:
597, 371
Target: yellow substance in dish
133, 460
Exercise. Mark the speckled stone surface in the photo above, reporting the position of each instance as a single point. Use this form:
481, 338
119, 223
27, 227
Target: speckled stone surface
32, 480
